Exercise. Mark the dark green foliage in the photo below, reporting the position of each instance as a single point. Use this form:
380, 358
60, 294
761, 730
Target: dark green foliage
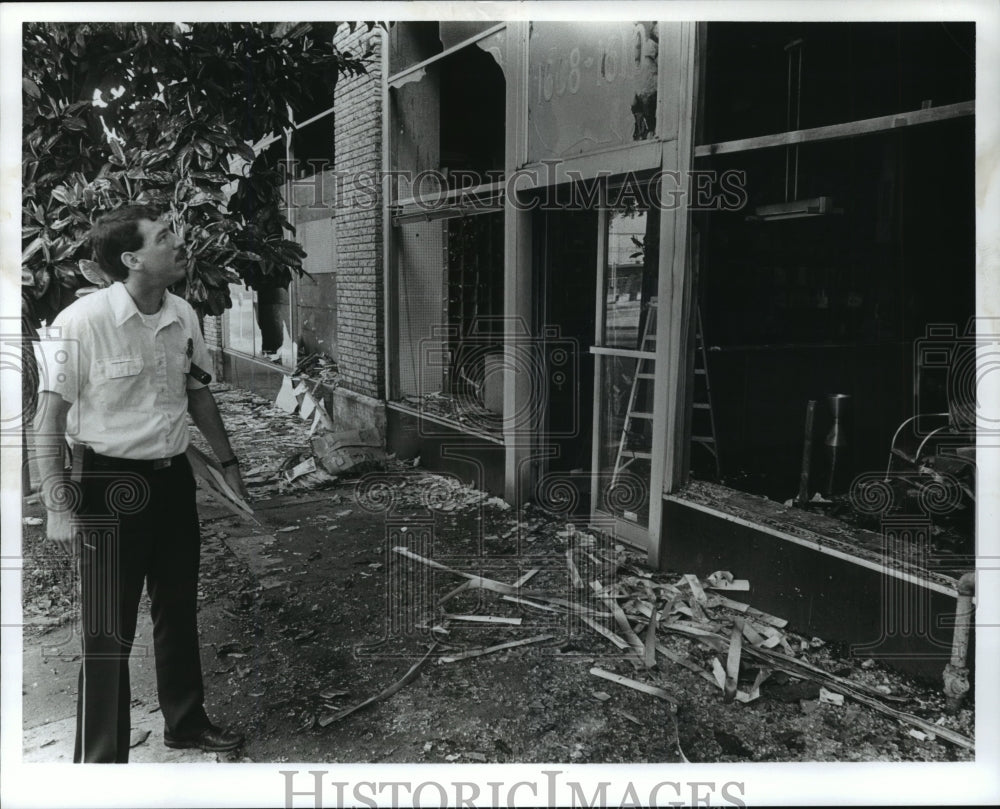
180, 106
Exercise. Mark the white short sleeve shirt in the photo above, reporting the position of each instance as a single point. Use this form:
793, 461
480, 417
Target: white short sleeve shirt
127, 381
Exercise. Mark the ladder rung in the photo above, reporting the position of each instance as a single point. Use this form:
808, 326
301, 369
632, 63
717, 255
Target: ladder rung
699, 371
638, 414
647, 376
638, 453
701, 405
703, 439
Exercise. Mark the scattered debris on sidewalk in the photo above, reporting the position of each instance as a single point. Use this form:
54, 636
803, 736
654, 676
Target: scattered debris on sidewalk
295, 617
644, 603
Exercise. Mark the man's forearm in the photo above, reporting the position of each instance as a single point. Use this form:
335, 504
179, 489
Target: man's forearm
205, 414
50, 442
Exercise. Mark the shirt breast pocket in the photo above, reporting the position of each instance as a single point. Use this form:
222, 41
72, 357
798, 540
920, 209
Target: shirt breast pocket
118, 381
178, 367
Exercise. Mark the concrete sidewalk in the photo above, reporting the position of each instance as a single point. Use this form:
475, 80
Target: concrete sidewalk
49, 705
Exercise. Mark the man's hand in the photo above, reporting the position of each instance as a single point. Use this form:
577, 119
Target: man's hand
235, 481
61, 530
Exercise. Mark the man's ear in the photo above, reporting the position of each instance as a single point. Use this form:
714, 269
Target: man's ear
131, 260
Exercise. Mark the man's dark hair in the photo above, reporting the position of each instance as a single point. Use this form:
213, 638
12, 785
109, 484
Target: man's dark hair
117, 232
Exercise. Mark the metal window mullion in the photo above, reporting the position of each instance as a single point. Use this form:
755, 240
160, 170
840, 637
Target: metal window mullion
599, 313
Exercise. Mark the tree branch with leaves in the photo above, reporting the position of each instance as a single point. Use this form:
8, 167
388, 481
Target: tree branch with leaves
167, 114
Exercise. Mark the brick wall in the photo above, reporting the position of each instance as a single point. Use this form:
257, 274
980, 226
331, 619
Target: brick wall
358, 148
211, 329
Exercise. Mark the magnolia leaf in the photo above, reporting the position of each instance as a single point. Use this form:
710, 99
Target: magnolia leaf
204, 148
245, 151
159, 176
74, 124
30, 88
66, 274
92, 271
31, 249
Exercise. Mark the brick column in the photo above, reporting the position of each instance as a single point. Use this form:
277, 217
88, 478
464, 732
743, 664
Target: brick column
358, 152
211, 329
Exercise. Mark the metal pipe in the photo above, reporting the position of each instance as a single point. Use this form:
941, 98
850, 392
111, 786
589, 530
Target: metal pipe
956, 673
807, 452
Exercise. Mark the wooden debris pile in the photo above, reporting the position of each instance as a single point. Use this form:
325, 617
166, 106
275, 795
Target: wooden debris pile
732, 645
320, 369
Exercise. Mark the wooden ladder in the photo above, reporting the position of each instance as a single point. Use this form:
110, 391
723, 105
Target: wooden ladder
643, 375
702, 415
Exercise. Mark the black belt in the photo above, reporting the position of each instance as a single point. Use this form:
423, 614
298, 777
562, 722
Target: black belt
129, 464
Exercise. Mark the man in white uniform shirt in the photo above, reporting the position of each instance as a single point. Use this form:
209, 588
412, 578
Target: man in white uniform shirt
117, 382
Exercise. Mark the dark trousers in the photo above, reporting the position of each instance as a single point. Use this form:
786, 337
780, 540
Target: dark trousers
137, 524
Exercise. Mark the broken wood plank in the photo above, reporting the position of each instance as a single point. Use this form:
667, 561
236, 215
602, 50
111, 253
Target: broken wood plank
733, 660
474, 581
721, 679
406, 679
759, 615
710, 639
772, 636
607, 633
634, 684
452, 593
482, 583
649, 648
682, 608
741, 585
484, 619
621, 620
696, 588
687, 663
490, 649
629, 717
691, 629
719, 672
739, 606
526, 577
767, 618
570, 606
698, 613
528, 603
752, 635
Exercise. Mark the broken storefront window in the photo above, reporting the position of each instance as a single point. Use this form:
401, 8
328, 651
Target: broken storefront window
450, 319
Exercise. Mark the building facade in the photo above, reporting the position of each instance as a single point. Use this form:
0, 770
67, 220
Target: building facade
624, 258
689, 283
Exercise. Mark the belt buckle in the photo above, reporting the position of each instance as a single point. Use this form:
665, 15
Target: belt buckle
162, 463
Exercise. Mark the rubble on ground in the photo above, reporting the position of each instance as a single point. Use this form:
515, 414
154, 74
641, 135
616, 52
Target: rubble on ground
541, 640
